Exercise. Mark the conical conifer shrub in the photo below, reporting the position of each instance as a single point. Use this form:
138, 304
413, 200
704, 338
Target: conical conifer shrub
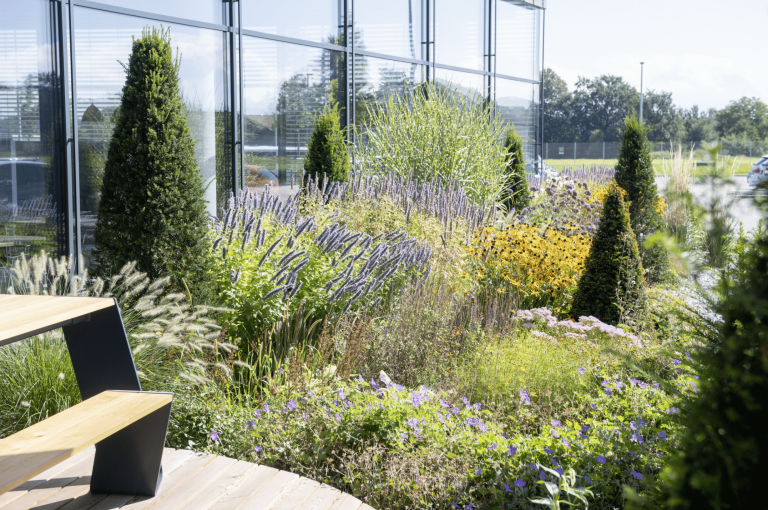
724, 452
612, 282
516, 192
327, 156
152, 209
635, 174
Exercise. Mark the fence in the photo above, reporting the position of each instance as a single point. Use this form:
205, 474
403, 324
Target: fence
560, 154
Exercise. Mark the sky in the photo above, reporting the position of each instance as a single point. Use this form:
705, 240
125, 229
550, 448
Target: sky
704, 52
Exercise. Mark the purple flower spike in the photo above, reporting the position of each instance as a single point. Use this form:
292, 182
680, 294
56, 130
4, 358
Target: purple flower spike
214, 435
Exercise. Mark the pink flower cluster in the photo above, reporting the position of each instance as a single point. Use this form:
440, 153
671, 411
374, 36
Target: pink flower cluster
569, 328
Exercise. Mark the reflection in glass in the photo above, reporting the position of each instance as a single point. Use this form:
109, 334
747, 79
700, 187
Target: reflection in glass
471, 85
284, 88
376, 80
102, 42
392, 27
315, 20
207, 11
517, 40
32, 191
460, 31
516, 103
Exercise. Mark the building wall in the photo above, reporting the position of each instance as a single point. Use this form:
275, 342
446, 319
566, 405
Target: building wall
253, 74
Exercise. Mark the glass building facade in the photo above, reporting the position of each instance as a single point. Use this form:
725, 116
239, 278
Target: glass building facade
253, 75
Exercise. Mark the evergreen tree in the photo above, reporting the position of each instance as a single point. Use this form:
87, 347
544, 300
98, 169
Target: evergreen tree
327, 156
635, 174
613, 272
152, 209
516, 193
725, 443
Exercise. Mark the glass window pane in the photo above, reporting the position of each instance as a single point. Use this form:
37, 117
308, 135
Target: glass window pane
104, 40
517, 104
377, 79
517, 40
472, 85
316, 20
284, 87
32, 169
392, 27
460, 30
207, 11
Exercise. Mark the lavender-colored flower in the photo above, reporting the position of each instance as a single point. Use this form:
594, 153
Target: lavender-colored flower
524, 396
257, 413
556, 423
214, 436
257, 449
676, 362
492, 446
542, 476
693, 385
637, 475
338, 418
478, 472
506, 488
511, 450
587, 480
662, 436
581, 370
249, 425
519, 483
600, 459
560, 471
637, 438
445, 404
548, 451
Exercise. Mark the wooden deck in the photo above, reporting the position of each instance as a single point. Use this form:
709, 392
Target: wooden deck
191, 481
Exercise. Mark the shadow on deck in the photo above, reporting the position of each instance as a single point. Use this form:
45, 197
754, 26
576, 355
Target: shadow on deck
191, 481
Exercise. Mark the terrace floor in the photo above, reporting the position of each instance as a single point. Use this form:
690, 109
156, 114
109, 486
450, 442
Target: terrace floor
191, 481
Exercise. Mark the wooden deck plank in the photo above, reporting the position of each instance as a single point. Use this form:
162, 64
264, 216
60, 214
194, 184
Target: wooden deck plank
171, 481
346, 502
294, 498
21, 314
172, 460
192, 486
270, 493
52, 485
322, 499
223, 484
33, 450
255, 480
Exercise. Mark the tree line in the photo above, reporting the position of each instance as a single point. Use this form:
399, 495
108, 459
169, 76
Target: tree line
595, 111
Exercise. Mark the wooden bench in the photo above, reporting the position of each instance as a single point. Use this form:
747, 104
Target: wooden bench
128, 426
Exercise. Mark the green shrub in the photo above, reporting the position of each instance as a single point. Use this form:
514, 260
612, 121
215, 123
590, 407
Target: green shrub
516, 193
725, 441
327, 157
635, 174
152, 209
612, 283
436, 132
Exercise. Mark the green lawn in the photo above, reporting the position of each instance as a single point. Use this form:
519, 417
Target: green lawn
744, 164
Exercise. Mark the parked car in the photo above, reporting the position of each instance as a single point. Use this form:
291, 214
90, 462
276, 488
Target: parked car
759, 172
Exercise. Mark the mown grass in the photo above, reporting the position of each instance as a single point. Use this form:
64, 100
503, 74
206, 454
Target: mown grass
743, 164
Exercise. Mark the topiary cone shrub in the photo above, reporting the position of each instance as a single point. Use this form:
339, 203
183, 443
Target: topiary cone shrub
327, 156
516, 193
635, 174
152, 209
724, 453
613, 272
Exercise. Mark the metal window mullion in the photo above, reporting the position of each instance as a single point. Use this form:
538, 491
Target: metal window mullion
242, 101
148, 15
75, 145
351, 46
68, 140
233, 100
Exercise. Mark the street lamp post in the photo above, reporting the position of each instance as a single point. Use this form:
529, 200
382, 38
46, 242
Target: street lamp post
641, 91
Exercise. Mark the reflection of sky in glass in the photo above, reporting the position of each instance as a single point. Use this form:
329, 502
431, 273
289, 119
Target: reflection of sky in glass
459, 33
208, 11
377, 79
392, 27
314, 20
471, 85
516, 40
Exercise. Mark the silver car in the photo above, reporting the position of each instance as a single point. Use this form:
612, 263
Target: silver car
759, 172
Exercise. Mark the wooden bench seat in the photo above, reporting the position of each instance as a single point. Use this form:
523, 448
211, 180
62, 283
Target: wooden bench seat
43, 445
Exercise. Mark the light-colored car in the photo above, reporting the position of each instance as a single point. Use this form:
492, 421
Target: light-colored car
759, 172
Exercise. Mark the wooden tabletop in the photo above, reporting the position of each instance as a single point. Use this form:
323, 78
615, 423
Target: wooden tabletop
191, 481
23, 316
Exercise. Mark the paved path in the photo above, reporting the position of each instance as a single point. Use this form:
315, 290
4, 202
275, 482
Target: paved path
191, 481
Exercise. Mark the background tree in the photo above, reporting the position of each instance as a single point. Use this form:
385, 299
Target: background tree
603, 103
612, 282
635, 174
663, 119
327, 156
747, 117
516, 193
557, 109
152, 208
